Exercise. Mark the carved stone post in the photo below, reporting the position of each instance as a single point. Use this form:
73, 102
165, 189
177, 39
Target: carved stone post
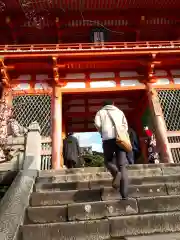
5, 114
33, 148
159, 123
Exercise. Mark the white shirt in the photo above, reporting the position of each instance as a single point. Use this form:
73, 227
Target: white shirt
104, 124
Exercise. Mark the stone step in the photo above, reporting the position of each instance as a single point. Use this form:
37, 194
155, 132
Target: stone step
113, 227
102, 209
81, 211
97, 175
93, 170
168, 236
94, 230
81, 175
55, 198
50, 185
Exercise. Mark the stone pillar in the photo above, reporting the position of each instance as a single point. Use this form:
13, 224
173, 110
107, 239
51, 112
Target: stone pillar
160, 126
16, 200
57, 161
33, 148
5, 114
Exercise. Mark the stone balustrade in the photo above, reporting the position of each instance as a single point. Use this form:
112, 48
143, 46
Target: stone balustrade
16, 199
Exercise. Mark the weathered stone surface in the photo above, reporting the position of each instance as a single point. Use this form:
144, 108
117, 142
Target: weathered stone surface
94, 184
94, 230
48, 184
40, 187
91, 170
145, 224
110, 194
51, 172
159, 204
9, 166
78, 174
60, 203
94, 169
171, 170
171, 178
147, 172
13, 205
6, 177
54, 179
47, 173
144, 166
136, 191
64, 197
173, 188
156, 168
74, 177
48, 214
100, 210
33, 148
168, 236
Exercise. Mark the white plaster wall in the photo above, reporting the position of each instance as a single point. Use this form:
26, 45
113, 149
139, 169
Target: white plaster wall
75, 85
161, 81
130, 82
22, 86
102, 84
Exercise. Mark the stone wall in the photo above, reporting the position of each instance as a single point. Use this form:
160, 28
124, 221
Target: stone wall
5, 114
16, 199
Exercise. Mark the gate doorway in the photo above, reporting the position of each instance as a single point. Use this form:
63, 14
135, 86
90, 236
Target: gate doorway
79, 110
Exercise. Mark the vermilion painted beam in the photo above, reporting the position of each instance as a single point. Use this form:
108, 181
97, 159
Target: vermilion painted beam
131, 105
90, 53
100, 90
70, 31
32, 92
120, 14
123, 67
102, 14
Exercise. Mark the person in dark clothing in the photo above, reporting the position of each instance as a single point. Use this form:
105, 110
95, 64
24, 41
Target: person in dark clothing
106, 128
71, 151
131, 156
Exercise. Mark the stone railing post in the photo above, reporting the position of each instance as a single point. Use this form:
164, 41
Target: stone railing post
13, 205
33, 148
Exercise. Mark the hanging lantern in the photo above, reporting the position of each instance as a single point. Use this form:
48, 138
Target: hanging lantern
98, 35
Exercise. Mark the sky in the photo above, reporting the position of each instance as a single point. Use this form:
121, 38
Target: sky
90, 139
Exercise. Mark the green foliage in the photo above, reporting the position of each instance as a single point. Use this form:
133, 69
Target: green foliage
94, 160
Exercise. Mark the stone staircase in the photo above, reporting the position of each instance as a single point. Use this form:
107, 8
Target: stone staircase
81, 204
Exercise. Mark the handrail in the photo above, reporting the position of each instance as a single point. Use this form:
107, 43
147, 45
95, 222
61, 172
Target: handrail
90, 46
14, 203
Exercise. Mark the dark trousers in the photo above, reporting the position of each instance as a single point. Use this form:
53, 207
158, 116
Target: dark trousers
70, 163
130, 157
110, 148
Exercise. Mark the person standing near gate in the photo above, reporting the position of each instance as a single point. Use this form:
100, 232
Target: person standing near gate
71, 151
107, 120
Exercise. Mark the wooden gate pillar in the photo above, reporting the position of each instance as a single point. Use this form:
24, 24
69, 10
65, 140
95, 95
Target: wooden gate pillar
160, 126
57, 141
